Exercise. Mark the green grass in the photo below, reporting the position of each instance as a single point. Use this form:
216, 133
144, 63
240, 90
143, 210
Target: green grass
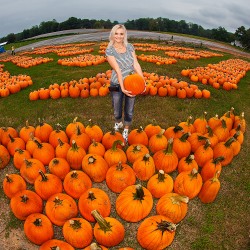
223, 224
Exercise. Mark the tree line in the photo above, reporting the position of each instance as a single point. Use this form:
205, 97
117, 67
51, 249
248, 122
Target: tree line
147, 24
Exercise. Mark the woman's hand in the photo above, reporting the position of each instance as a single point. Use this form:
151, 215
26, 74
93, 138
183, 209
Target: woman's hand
126, 92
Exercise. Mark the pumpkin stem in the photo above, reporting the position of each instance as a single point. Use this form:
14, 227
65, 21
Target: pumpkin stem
74, 146
115, 143
161, 176
39, 145
160, 134
57, 201
178, 128
44, 177
75, 224
38, 222
166, 226
94, 246
11, 138
60, 142
91, 196
8, 178
27, 124
24, 198
91, 160
229, 142
74, 120
189, 159
210, 131
184, 137
207, 144
146, 157
119, 167
169, 149
218, 160
74, 175
104, 225
178, 199
19, 150
139, 194
193, 174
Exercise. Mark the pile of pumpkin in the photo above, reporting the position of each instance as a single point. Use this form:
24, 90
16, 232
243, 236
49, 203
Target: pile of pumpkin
27, 61
225, 74
158, 60
98, 86
12, 84
58, 49
83, 88
82, 60
191, 54
58, 167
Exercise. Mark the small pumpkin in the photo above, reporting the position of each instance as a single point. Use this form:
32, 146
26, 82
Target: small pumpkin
156, 232
38, 228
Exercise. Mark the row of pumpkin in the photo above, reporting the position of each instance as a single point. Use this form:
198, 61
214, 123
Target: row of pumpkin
82, 155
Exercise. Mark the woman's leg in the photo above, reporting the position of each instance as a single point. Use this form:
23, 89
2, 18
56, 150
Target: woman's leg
117, 99
128, 110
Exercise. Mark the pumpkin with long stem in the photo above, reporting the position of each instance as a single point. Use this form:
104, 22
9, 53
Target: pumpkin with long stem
47, 184
166, 159
115, 155
210, 189
108, 231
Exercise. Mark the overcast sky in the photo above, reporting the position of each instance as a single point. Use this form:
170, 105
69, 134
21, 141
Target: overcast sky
17, 15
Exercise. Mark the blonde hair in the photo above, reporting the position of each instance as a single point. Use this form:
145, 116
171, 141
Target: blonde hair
112, 34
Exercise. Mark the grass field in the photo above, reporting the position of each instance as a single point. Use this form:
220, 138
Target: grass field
223, 224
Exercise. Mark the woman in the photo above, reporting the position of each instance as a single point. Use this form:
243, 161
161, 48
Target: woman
122, 58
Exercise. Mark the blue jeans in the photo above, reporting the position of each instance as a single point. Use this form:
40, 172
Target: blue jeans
117, 103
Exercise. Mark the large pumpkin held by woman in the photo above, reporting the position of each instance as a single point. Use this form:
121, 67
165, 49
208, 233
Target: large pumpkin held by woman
134, 83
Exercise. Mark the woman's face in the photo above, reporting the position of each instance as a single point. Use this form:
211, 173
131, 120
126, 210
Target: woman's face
119, 35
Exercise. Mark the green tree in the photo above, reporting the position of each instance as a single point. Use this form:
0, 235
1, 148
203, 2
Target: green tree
11, 38
243, 36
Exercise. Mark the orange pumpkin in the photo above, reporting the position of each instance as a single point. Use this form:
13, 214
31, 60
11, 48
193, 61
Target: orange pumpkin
134, 83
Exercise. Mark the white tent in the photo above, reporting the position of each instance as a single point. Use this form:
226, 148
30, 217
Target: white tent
1, 44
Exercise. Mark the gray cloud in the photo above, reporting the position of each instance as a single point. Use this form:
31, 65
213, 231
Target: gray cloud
23, 14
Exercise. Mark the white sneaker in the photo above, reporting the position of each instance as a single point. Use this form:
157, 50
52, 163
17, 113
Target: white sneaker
125, 135
118, 125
